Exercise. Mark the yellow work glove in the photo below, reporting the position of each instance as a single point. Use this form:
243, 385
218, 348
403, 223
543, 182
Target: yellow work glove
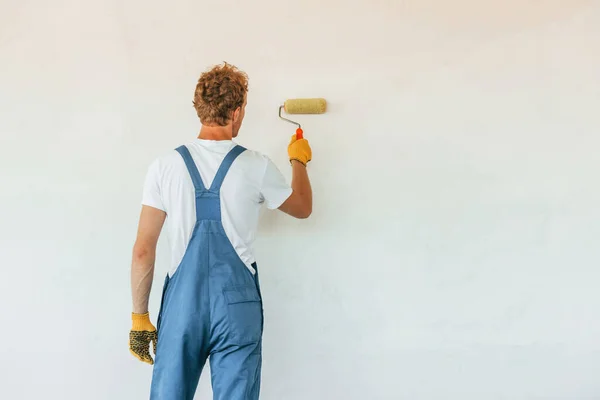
299, 150
141, 334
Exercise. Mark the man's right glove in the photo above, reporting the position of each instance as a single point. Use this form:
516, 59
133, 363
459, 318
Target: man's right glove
141, 334
299, 150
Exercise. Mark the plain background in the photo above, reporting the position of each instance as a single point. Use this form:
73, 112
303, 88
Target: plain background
453, 251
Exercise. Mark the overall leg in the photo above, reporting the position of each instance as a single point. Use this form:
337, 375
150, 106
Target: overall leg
179, 360
235, 372
182, 333
237, 326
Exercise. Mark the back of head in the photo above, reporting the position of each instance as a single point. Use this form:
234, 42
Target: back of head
219, 92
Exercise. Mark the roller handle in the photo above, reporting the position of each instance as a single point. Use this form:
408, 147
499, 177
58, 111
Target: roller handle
299, 134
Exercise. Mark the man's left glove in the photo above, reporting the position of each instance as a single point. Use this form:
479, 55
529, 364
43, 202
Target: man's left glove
141, 334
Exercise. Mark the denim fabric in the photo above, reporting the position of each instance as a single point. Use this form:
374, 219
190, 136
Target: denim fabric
211, 308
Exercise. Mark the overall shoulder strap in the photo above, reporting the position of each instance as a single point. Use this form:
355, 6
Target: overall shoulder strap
192, 169
224, 168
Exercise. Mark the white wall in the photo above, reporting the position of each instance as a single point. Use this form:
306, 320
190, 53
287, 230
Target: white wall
453, 251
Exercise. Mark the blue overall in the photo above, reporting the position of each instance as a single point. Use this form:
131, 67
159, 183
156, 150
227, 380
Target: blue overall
211, 308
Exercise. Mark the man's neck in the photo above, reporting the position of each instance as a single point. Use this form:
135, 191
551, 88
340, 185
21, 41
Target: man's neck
216, 132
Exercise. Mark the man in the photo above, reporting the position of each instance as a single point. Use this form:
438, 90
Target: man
211, 190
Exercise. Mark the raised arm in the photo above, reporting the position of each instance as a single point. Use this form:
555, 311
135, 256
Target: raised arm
299, 204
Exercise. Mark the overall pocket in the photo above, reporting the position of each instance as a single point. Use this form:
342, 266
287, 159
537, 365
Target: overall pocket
244, 313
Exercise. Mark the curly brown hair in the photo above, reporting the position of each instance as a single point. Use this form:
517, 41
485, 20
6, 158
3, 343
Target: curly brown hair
219, 92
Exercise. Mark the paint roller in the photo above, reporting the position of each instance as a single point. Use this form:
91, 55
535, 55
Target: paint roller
302, 106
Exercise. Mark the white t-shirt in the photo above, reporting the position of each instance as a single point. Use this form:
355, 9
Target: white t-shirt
252, 180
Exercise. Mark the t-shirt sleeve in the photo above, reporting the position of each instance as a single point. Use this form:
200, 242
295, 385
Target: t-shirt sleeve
275, 189
151, 195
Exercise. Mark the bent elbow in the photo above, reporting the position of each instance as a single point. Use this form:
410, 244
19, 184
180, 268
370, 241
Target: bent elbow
141, 252
305, 213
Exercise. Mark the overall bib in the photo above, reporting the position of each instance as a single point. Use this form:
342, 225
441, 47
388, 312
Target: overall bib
211, 308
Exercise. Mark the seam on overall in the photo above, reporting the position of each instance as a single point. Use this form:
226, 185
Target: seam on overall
208, 291
252, 383
257, 372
